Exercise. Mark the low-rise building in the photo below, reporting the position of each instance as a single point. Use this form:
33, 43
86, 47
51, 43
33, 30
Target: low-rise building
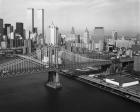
121, 81
120, 43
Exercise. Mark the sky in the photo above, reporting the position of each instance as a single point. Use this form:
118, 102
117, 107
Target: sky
120, 15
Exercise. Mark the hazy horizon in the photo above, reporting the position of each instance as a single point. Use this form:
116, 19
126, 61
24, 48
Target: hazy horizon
120, 15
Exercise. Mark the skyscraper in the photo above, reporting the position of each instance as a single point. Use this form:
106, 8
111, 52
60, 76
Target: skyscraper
5, 28
72, 36
99, 38
11, 36
72, 30
35, 30
99, 34
114, 35
9, 32
1, 29
86, 36
19, 29
77, 38
40, 25
54, 35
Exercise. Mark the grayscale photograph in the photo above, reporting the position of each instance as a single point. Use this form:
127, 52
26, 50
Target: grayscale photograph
69, 55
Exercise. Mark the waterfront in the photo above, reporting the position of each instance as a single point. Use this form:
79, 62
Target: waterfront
29, 94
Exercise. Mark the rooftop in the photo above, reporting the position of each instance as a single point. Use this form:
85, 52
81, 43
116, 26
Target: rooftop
122, 79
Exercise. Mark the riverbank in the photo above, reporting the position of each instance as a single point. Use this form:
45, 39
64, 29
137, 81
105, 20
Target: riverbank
131, 92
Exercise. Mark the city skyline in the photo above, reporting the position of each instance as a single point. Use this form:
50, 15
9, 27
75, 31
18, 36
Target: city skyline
122, 16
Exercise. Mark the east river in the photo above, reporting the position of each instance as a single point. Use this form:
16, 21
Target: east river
28, 94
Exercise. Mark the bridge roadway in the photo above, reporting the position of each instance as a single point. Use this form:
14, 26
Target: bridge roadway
11, 62
65, 54
67, 63
32, 59
20, 66
11, 49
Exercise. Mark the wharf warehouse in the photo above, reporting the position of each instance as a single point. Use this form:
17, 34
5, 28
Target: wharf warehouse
121, 81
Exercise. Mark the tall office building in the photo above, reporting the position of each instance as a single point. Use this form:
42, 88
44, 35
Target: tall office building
5, 28
78, 39
98, 34
9, 32
1, 29
8, 36
41, 22
11, 36
35, 30
54, 35
19, 29
72, 34
86, 36
72, 30
114, 35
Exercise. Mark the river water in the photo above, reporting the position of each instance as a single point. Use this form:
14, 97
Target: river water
29, 94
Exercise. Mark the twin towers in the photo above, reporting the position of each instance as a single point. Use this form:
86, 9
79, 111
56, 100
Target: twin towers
53, 39
33, 19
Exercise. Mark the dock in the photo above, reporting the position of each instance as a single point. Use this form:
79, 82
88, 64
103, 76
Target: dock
132, 93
